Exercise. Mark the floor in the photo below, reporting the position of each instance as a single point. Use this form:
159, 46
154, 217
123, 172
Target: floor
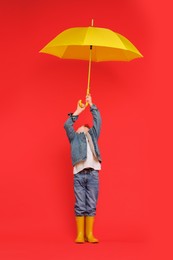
50, 249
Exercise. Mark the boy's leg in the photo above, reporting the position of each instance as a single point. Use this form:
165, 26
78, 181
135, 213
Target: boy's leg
80, 229
92, 190
80, 205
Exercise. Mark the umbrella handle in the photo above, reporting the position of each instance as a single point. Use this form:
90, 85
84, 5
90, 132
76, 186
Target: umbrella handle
80, 101
81, 104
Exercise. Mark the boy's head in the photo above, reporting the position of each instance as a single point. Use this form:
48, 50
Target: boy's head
84, 128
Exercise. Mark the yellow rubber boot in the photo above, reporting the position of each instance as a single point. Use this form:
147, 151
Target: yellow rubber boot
89, 230
80, 229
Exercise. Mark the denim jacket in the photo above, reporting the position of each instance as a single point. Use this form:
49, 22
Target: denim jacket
78, 140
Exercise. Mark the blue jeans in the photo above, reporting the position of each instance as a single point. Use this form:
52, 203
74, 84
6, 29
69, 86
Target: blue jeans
86, 187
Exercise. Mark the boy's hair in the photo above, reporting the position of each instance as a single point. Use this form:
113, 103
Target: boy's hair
87, 125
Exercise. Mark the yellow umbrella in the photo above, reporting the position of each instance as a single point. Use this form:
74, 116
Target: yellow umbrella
93, 44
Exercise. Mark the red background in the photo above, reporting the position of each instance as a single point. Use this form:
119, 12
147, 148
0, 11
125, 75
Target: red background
36, 93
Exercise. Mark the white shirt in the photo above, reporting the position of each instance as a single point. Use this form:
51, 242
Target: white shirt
90, 162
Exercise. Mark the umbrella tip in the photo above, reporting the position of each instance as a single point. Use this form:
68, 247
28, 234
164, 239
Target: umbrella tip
92, 22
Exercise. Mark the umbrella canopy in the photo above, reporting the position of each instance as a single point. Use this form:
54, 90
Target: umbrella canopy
93, 44
106, 45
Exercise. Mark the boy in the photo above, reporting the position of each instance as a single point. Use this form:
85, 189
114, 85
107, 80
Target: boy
86, 162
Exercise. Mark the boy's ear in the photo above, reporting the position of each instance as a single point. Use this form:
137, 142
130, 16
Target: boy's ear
87, 125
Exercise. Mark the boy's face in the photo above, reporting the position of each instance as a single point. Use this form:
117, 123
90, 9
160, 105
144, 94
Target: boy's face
82, 129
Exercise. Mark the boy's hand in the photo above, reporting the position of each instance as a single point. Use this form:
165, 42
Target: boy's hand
79, 109
89, 100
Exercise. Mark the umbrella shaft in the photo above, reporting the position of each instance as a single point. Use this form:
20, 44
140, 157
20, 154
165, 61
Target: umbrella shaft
89, 71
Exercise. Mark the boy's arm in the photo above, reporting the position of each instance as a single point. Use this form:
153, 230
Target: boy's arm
69, 126
70, 121
96, 117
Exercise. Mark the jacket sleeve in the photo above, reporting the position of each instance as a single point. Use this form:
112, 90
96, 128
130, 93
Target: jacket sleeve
96, 120
69, 126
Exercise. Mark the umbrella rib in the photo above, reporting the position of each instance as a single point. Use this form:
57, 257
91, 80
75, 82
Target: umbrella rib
126, 49
85, 35
65, 47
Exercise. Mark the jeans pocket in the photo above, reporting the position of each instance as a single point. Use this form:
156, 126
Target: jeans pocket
94, 173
